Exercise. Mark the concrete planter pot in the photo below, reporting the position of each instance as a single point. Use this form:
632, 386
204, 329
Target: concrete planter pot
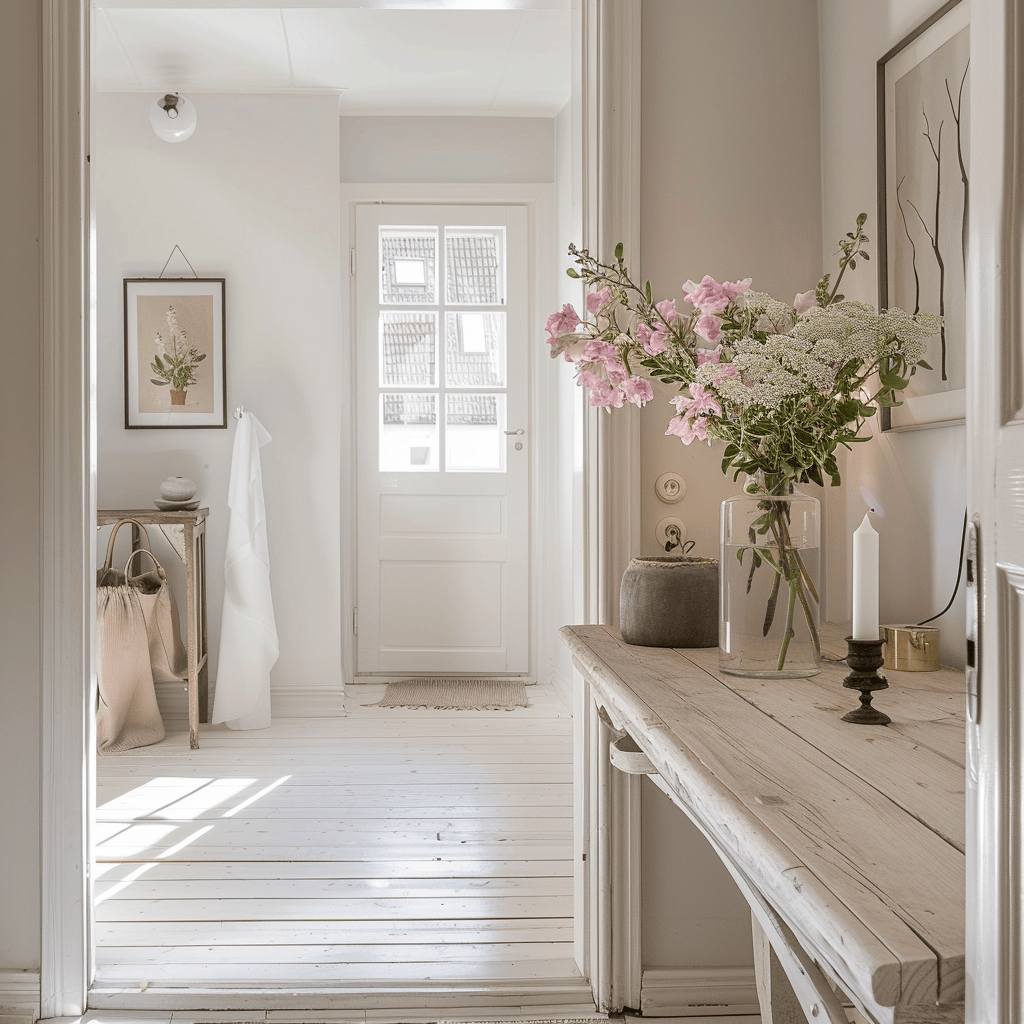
670, 601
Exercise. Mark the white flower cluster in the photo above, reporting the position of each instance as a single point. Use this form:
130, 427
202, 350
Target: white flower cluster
771, 371
853, 330
912, 331
768, 313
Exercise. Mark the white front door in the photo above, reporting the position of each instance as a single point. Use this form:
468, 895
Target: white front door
443, 445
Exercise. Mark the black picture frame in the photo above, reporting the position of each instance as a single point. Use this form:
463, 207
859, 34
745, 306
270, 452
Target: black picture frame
922, 121
174, 331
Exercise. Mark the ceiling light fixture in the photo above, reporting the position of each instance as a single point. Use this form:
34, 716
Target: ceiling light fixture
173, 117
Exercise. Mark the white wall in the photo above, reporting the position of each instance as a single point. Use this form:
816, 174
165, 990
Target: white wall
730, 187
20, 624
464, 150
252, 197
919, 476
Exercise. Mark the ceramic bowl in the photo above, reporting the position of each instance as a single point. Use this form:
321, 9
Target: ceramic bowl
177, 506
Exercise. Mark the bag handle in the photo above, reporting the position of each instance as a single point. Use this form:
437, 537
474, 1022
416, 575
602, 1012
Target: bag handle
144, 551
143, 540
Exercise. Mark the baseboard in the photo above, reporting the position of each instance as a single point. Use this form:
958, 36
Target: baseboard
308, 702
562, 686
19, 997
394, 1002
698, 991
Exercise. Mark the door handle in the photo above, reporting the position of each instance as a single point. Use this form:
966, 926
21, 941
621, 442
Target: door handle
973, 623
513, 432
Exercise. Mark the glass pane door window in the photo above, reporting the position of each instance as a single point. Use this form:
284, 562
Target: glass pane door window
442, 400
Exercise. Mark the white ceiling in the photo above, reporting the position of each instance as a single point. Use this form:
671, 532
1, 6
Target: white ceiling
488, 57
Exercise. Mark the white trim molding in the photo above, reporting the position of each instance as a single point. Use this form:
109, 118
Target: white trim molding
19, 997
611, 214
698, 992
608, 881
69, 511
995, 432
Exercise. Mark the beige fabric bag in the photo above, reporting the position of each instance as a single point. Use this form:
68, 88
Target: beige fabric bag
127, 714
166, 651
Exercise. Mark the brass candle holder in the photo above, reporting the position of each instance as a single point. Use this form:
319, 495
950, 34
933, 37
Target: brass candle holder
865, 658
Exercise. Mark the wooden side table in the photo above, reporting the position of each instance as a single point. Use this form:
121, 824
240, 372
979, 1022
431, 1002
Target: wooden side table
193, 525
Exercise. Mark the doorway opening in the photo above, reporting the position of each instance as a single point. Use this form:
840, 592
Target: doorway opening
192, 848
601, 164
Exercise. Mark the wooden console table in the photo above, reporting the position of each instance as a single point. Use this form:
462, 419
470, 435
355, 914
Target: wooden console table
193, 525
847, 841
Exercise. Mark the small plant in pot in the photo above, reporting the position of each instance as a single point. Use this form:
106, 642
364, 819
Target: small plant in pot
174, 365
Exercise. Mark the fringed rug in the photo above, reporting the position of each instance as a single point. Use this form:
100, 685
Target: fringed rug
455, 695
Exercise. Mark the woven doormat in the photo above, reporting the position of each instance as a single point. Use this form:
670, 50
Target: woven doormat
455, 695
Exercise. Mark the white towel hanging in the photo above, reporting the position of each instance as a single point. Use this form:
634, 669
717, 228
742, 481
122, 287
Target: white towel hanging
248, 638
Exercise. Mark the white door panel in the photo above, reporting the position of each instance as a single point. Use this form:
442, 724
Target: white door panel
443, 505
441, 604
441, 514
995, 569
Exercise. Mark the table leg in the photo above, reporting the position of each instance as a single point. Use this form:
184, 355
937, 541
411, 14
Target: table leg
779, 1003
204, 649
193, 645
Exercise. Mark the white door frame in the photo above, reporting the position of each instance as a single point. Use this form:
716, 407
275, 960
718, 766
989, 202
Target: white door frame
539, 200
68, 509
995, 417
607, 82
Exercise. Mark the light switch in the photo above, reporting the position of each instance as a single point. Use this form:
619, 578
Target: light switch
670, 487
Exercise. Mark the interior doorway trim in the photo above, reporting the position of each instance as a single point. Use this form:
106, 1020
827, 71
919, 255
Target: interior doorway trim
69, 510
539, 202
610, 202
607, 910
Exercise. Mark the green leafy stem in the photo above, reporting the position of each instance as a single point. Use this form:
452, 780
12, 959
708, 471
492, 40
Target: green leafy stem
788, 566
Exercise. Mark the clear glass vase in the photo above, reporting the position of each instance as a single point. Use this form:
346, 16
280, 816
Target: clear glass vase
770, 564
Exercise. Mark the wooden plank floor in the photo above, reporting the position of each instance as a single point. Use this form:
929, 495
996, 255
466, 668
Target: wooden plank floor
349, 861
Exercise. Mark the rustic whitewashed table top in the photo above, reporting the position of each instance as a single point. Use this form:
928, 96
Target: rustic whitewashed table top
855, 834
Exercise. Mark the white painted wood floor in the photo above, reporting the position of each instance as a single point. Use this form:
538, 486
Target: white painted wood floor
385, 860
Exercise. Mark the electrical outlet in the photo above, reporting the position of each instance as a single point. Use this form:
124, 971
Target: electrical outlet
671, 535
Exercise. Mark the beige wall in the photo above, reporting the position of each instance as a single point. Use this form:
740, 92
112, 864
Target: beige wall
730, 187
919, 476
20, 686
730, 178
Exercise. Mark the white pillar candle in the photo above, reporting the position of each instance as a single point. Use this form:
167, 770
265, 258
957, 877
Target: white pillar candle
865, 581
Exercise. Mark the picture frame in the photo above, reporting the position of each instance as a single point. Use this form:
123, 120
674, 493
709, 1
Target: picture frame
923, 158
174, 353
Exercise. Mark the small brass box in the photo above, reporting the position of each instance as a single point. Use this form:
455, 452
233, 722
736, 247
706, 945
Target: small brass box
911, 648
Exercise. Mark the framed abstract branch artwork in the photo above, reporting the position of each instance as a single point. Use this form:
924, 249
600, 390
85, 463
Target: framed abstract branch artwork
924, 203
174, 353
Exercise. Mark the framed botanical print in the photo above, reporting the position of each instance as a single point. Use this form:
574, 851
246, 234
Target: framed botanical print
923, 105
174, 353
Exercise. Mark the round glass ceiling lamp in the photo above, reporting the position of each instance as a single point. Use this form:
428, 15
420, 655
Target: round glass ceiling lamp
173, 117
